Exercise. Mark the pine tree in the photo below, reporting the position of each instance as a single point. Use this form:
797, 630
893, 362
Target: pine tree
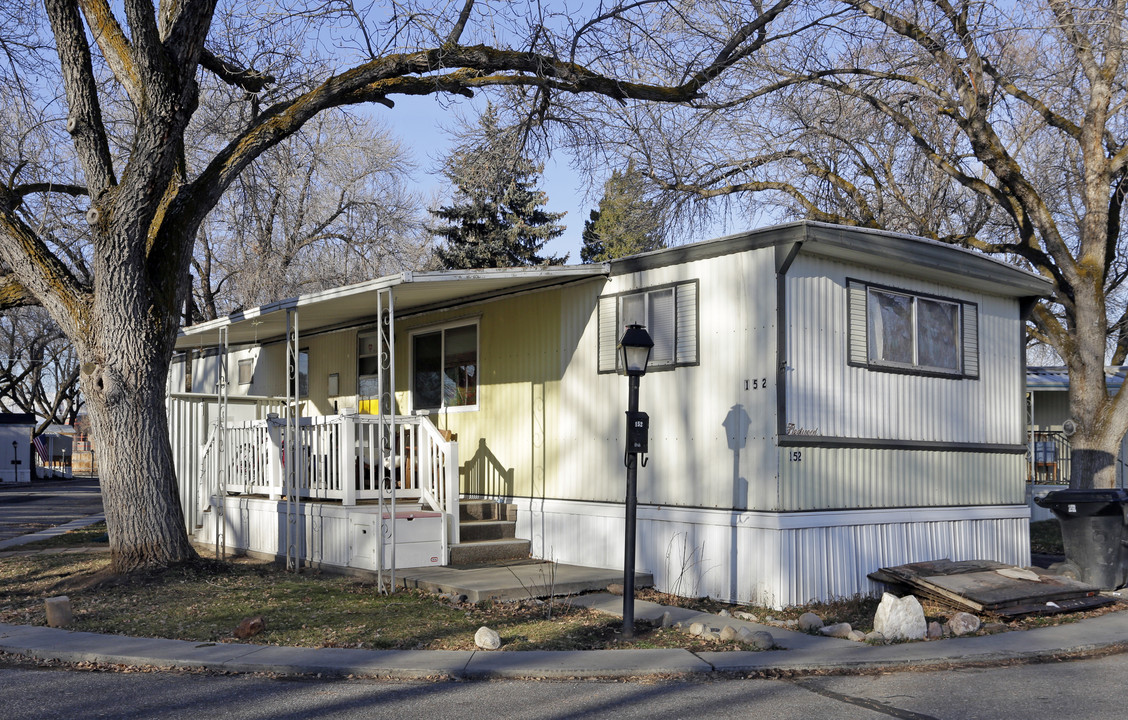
625, 223
496, 218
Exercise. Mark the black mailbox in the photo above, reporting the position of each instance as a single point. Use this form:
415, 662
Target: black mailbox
638, 430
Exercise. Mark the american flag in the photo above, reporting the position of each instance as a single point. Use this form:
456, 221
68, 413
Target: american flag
41, 448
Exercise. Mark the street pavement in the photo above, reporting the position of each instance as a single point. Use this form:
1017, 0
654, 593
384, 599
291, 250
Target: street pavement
40, 505
796, 653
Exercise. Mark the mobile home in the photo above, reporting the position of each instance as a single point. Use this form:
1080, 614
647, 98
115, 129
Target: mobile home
823, 400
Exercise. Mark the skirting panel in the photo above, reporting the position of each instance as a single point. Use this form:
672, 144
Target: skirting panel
772, 559
331, 534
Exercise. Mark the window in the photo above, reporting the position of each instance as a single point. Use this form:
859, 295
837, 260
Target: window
444, 368
899, 331
669, 314
246, 371
303, 374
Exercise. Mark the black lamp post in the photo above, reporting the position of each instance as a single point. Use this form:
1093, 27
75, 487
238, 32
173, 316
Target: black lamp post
634, 354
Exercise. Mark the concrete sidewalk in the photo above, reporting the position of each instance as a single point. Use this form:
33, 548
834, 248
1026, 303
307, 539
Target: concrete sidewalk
798, 654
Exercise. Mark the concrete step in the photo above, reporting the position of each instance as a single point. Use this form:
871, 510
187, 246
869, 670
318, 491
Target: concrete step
469, 553
486, 530
486, 510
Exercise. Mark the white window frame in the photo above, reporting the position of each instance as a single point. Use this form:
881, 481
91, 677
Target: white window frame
443, 328
248, 363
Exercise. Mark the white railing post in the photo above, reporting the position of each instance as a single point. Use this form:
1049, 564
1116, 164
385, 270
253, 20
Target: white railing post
274, 458
452, 492
347, 453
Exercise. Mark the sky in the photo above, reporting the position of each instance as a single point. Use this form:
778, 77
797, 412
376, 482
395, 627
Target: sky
418, 123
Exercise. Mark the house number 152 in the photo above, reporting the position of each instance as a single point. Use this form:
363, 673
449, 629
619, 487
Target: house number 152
795, 456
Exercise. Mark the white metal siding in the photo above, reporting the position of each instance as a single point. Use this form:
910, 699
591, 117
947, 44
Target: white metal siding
826, 396
712, 425
832, 478
772, 559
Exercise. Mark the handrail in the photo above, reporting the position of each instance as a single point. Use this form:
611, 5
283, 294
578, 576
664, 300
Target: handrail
342, 461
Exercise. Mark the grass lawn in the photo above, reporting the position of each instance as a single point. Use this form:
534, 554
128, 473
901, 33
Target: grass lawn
206, 602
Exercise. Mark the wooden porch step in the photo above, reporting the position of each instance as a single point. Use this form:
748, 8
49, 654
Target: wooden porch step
486, 530
470, 553
471, 510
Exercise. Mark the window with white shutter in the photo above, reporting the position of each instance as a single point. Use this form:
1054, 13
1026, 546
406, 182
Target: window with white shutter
669, 314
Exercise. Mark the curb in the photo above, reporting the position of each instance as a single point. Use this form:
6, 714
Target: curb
1092, 639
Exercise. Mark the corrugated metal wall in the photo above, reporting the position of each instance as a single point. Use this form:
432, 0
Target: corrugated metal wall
826, 395
834, 478
774, 560
712, 426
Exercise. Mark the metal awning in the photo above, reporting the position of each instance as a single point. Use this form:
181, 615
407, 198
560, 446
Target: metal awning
356, 304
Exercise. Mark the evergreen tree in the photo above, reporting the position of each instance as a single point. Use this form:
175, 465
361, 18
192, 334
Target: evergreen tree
625, 223
496, 218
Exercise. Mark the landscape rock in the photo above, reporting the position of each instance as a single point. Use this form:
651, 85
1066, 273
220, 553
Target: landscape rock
856, 636
667, 619
900, 618
809, 622
790, 623
963, 623
838, 630
615, 588
762, 640
59, 613
741, 615
994, 627
875, 638
934, 631
728, 633
487, 639
249, 627
724, 613
697, 628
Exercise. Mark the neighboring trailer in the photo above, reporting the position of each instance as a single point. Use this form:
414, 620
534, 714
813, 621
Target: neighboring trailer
823, 401
16, 460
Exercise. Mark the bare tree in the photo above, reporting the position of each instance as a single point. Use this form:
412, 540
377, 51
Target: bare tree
131, 96
996, 126
327, 207
38, 369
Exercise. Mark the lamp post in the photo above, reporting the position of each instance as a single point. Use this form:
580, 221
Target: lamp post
634, 354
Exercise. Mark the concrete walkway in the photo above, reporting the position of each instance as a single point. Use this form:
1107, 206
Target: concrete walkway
797, 653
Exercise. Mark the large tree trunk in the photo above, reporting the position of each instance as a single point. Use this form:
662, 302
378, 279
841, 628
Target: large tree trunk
1095, 444
124, 383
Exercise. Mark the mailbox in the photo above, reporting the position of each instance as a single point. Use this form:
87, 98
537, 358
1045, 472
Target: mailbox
638, 430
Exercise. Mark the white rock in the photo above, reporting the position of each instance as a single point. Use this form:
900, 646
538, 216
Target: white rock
963, 623
809, 622
728, 633
724, 613
838, 630
487, 639
856, 636
762, 640
697, 628
741, 615
900, 618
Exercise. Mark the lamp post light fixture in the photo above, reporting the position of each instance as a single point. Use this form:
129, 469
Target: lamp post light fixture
634, 354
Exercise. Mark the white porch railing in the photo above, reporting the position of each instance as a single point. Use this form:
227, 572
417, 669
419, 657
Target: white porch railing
344, 459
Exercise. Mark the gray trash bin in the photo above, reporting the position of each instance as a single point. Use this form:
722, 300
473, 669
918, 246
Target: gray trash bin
1093, 530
